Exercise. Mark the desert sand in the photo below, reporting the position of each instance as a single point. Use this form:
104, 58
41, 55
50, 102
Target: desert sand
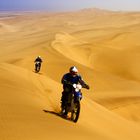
103, 45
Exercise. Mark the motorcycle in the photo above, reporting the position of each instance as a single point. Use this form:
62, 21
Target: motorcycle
37, 66
72, 103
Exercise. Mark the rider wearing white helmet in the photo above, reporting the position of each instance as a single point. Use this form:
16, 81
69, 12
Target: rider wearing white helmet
38, 59
68, 80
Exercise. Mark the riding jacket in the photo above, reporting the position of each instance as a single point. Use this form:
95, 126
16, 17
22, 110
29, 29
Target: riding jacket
68, 80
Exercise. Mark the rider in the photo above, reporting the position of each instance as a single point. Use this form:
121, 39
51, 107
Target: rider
68, 80
38, 59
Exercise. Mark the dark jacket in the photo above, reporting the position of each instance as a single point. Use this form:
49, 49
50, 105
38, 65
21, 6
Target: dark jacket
38, 60
68, 80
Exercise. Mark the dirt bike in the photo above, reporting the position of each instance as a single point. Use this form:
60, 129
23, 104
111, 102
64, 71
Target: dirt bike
37, 66
72, 103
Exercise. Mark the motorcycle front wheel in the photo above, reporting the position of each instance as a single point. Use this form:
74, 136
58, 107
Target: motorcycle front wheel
75, 112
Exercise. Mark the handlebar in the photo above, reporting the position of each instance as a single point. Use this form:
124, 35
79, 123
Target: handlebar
83, 86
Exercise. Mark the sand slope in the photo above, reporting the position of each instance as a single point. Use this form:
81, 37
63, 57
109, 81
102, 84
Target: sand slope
103, 45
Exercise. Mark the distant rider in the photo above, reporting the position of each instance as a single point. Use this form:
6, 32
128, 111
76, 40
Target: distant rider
68, 80
38, 59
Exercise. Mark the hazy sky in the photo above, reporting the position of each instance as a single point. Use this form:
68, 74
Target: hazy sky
68, 5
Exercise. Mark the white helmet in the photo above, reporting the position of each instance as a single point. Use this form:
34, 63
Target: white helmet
73, 70
38, 57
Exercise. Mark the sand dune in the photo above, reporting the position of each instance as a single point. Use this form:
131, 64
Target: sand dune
104, 45
66, 43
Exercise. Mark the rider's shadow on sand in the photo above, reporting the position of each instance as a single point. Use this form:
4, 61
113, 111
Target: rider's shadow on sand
52, 112
55, 113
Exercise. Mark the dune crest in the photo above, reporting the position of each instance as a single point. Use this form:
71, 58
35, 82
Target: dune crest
78, 50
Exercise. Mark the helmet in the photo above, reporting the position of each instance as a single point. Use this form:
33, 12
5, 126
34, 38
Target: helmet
73, 70
38, 57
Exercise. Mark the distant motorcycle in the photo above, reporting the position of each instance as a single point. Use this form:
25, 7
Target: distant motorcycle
72, 103
37, 66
